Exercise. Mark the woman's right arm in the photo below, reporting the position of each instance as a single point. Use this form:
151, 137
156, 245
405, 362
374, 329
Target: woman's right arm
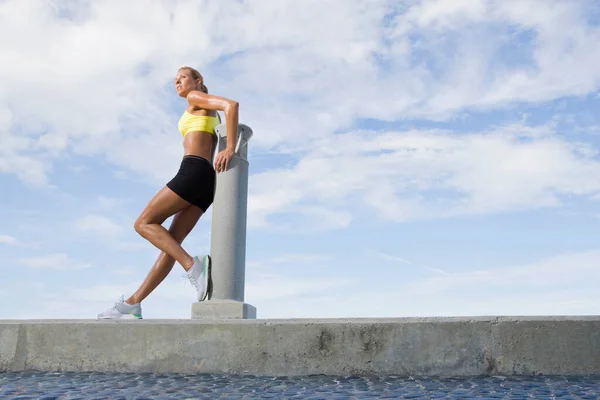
231, 110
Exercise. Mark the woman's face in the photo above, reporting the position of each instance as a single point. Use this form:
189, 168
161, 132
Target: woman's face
184, 83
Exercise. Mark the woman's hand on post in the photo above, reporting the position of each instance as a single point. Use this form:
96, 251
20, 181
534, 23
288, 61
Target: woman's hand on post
223, 159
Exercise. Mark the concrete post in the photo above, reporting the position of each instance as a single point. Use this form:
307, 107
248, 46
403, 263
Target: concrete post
228, 236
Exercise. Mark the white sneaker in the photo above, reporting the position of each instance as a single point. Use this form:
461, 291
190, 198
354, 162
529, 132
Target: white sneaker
198, 275
122, 310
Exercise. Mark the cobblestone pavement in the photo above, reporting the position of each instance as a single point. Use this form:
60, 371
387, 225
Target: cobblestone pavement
47, 386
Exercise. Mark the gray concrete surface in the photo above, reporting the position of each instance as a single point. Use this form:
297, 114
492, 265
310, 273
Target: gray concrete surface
222, 309
403, 346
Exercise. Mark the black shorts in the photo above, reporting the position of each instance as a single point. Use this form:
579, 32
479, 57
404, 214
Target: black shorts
195, 182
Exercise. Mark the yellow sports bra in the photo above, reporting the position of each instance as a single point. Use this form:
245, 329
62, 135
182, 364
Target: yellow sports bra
192, 123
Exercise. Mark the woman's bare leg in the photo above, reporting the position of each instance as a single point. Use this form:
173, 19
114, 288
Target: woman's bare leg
149, 225
183, 223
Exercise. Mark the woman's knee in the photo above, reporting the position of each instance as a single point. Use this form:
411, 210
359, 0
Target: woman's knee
141, 224
146, 219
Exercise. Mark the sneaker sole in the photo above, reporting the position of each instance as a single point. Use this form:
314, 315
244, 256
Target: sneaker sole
124, 316
207, 266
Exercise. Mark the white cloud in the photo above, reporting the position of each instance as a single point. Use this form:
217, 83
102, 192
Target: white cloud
442, 15
553, 272
543, 287
97, 224
466, 39
9, 240
431, 174
383, 60
57, 261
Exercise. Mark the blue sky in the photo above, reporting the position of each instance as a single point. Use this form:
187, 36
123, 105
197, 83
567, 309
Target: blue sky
426, 158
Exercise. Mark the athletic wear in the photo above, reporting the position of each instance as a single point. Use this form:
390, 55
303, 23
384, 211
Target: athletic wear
195, 181
122, 310
195, 123
198, 275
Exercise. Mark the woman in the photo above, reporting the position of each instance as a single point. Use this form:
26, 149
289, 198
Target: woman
188, 195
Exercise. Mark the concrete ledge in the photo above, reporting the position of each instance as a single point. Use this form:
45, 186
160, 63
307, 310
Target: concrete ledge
402, 346
222, 309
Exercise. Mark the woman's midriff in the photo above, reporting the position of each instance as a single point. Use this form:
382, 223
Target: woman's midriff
201, 144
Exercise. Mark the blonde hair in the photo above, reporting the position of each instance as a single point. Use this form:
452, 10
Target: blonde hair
196, 75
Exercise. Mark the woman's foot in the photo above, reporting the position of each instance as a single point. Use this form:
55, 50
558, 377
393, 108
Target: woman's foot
122, 310
198, 275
